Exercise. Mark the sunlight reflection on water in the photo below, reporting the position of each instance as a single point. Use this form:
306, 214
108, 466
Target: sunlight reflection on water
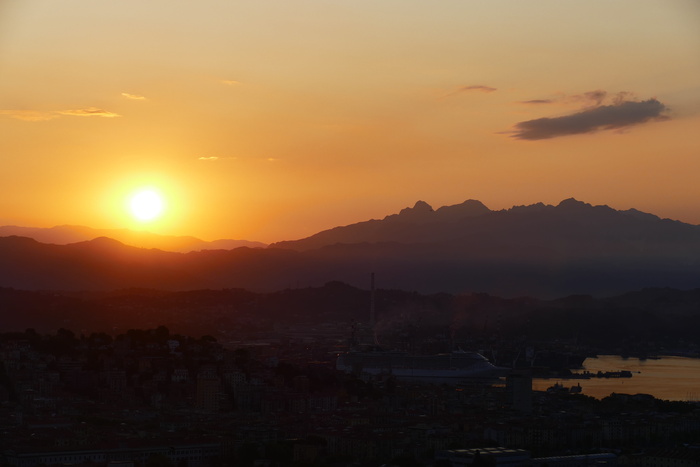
671, 378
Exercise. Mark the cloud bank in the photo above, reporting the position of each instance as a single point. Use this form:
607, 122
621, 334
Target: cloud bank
620, 114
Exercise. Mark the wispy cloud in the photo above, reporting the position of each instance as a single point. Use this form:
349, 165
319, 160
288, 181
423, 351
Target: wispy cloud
29, 115
538, 101
590, 98
44, 115
216, 158
477, 87
134, 97
89, 112
230, 82
621, 113
472, 88
594, 97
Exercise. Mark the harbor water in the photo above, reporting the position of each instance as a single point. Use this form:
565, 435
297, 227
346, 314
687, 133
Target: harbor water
669, 378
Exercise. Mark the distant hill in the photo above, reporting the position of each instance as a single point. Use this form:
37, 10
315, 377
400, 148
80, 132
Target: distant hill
65, 234
537, 250
106, 264
644, 322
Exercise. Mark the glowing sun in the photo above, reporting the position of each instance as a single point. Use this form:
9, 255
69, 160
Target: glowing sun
146, 205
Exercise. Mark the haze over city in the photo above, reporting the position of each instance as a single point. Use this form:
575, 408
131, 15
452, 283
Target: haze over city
273, 120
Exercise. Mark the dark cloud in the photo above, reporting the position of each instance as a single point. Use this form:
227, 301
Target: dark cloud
591, 98
473, 87
477, 87
597, 96
538, 101
623, 96
605, 117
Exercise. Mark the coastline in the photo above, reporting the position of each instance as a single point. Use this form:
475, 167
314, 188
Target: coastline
666, 377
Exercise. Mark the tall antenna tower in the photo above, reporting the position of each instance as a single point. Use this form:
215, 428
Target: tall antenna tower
372, 312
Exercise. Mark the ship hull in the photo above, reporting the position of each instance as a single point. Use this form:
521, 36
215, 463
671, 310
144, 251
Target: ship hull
456, 367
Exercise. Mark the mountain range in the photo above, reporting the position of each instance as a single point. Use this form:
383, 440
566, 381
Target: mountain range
65, 234
537, 250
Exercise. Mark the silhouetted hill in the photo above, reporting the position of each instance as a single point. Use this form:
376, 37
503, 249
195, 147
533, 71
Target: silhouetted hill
639, 322
568, 230
65, 234
411, 225
106, 264
537, 250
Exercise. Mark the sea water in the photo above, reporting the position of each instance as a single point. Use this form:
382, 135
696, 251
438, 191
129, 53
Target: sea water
669, 378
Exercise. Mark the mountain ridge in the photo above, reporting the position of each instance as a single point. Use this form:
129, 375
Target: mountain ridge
421, 222
67, 234
537, 250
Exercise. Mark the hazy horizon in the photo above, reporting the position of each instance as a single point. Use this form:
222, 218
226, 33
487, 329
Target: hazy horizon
144, 230
275, 120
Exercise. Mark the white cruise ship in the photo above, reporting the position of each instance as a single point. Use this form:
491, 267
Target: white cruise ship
455, 366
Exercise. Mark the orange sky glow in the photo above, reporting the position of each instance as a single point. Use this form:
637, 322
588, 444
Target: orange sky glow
272, 120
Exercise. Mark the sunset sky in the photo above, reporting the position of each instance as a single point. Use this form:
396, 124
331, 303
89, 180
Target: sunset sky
271, 120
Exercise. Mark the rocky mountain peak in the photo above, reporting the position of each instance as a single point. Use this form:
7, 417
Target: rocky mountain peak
419, 210
572, 203
469, 208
